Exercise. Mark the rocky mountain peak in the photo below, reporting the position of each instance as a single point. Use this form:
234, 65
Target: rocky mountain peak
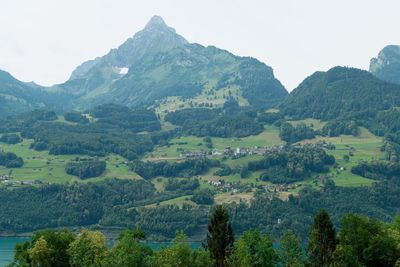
156, 22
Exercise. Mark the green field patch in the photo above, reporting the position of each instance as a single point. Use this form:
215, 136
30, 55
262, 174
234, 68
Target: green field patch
313, 123
269, 137
41, 166
177, 146
225, 198
179, 201
364, 147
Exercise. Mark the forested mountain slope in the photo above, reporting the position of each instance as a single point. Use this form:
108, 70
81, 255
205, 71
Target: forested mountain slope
341, 93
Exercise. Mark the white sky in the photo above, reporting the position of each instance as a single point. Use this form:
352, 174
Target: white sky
44, 40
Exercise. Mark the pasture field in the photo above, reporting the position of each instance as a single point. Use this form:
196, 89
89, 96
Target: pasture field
313, 123
269, 137
366, 146
40, 165
226, 198
179, 201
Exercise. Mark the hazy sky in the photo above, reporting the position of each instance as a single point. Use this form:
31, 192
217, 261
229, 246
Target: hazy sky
44, 40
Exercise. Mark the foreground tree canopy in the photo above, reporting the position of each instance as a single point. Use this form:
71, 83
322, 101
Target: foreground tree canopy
359, 242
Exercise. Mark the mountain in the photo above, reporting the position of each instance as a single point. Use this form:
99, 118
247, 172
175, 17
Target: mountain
387, 65
157, 63
341, 93
17, 97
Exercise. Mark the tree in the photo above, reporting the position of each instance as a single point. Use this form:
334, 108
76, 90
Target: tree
21, 256
58, 242
203, 197
344, 257
89, 249
290, 251
46, 248
180, 255
220, 236
253, 249
322, 241
40, 254
128, 251
368, 240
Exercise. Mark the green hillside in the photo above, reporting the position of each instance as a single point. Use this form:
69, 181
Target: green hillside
17, 97
341, 92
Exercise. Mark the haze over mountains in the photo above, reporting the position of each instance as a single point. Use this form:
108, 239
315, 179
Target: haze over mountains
157, 63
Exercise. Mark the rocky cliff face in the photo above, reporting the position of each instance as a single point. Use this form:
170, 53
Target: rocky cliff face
386, 65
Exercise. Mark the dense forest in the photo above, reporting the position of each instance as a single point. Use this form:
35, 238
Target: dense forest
187, 168
10, 160
344, 93
85, 168
293, 134
114, 202
215, 122
292, 164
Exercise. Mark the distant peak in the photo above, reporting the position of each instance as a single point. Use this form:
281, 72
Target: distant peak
156, 21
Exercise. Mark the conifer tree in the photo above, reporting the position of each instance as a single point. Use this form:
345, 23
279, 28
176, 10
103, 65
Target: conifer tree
322, 241
220, 236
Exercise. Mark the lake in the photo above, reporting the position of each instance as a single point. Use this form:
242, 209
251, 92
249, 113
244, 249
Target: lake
7, 245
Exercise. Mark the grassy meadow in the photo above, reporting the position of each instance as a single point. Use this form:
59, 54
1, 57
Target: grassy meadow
40, 165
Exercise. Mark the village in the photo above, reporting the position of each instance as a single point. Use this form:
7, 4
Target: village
7, 180
245, 151
229, 151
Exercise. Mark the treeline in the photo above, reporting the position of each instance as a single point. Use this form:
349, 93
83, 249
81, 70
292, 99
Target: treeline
361, 241
215, 122
91, 139
25, 120
10, 160
337, 127
85, 168
292, 164
138, 120
79, 204
293, 134
11, 139
187, 168
378, 170
119, 203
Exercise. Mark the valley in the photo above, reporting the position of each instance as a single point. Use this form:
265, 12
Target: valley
42, 168
254, 134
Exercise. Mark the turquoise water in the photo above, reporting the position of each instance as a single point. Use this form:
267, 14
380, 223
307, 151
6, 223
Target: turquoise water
7, 245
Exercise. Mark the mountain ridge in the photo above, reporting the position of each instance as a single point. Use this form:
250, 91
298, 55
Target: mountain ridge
123, 75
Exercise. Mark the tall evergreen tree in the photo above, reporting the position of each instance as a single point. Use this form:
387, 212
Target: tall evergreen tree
322, 241
290, 251
220, 236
